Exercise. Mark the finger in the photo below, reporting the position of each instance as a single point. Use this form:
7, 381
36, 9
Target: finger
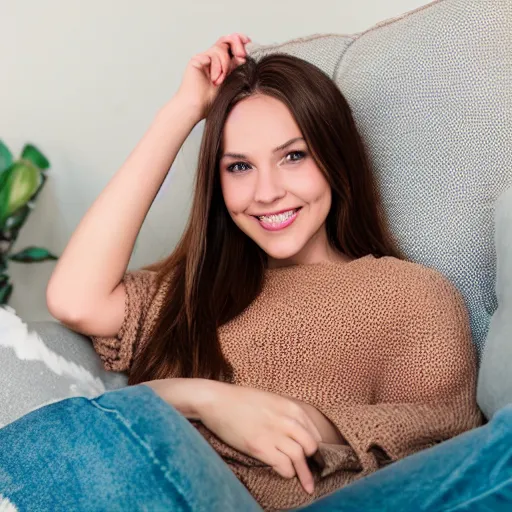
235, 44
201, 61
216, 66
239, 61
303, 435
282, 464
296, 454
245, 38
298, 413
312, 428
225, 62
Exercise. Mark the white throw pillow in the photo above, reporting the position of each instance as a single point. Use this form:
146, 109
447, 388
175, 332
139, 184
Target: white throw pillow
36, 372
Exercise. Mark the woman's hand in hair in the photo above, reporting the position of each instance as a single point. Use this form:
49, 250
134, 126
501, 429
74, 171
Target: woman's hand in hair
269, 427
206, 71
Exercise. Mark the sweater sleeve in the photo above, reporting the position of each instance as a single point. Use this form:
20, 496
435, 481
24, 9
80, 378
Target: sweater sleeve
425, 391
143, 300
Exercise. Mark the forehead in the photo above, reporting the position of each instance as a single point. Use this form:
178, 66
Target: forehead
258, 123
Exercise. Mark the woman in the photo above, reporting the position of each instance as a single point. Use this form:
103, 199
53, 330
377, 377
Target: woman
286, 325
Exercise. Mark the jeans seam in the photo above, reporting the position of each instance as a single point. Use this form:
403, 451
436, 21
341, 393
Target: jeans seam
480, 496
149, 452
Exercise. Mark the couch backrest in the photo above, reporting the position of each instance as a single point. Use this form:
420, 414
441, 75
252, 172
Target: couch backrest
431, 95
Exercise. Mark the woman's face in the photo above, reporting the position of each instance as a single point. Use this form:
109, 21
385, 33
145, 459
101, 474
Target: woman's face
273, 190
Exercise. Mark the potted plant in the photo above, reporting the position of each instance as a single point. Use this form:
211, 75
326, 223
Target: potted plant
21, 182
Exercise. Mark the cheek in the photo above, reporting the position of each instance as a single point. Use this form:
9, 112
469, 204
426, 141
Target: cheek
236, 193
311, 186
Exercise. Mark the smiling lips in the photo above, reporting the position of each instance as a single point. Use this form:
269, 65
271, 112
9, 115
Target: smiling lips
278, 221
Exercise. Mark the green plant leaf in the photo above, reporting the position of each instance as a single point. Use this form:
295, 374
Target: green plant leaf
5, 157
4, 196
5, 289
3, 176
21, 182
32, 154
41, 185
33, 255
17, 219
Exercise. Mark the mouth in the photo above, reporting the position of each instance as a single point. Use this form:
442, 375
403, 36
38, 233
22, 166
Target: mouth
276, 222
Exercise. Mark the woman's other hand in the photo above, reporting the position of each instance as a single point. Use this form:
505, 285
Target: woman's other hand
271, 428
329, 432
206, 71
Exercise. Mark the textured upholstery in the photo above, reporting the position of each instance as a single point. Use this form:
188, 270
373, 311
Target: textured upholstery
430, 92
431, 95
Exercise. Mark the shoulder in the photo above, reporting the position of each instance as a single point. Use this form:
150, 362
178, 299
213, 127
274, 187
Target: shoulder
141, 281
414, 294
415, 278
144, 287
426, 300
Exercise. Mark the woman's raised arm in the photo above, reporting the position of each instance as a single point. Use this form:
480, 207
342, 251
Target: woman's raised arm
85, 289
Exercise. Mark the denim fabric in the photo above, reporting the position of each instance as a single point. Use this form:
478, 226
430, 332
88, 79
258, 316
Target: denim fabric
129, 450
125, 450
469, 473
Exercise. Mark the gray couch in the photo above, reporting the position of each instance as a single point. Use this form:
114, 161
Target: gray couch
44, 362
430, 93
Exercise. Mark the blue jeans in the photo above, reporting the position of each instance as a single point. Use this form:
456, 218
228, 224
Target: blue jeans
129, 450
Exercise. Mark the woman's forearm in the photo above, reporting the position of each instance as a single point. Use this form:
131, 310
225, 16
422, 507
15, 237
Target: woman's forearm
98, 253
187, 396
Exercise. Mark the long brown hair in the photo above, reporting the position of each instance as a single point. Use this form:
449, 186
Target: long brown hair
216, 271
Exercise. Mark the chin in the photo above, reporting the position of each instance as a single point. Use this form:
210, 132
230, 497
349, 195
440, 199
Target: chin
276, 247
281, 252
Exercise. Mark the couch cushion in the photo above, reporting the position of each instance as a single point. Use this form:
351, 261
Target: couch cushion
430, 93
45, 362
495, 378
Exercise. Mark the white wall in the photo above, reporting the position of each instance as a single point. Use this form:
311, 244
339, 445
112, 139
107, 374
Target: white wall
82, 80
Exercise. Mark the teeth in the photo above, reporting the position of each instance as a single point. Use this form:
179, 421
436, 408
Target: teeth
277, 219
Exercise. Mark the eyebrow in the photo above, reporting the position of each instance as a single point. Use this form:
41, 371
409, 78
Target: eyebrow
279, 148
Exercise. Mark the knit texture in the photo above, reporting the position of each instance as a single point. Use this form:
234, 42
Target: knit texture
423, 89
380, 346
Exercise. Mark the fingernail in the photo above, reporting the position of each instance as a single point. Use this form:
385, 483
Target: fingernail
310, 488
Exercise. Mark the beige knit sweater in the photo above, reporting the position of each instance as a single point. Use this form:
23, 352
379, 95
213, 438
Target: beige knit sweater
380, 346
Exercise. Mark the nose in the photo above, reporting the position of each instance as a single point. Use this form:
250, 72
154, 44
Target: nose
268, 186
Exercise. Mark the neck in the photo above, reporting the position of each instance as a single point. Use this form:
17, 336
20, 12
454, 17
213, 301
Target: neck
317, 250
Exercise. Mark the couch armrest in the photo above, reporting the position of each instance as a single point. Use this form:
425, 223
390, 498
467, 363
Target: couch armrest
78, 349
44, 362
